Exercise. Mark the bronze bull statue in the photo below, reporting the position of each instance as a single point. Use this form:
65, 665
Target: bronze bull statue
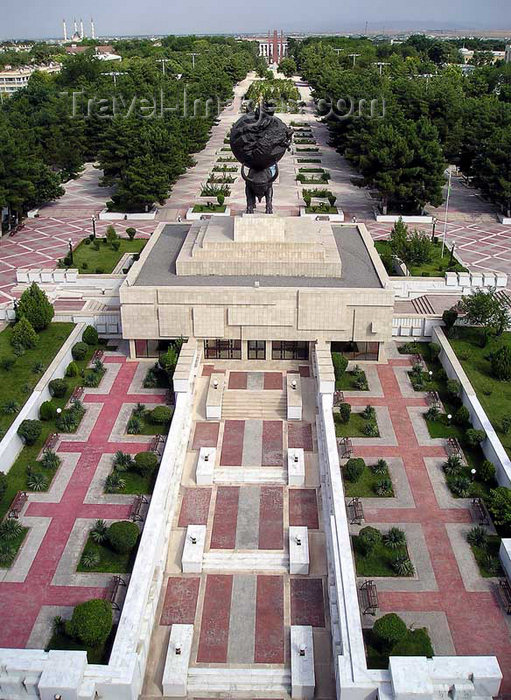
259, 184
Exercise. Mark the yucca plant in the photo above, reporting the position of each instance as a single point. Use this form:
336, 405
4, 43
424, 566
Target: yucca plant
90, 559
383, 487
491, 563
381, 467
134, 426
11, 407
370, 429
10, 529
7, 552
122, 461
477, 536
139, 410
114, 483
452, 465
403, 566
50, 460
459, 485
395, 538
36, 481
99, 531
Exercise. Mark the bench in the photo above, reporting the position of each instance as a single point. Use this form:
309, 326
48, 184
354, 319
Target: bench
136, 508
355, 511
19, 501
369, 596
98, 355
418, 360
77, 394
112, 589
454, 447
157, 444
433, 399
338, 398
50, 442
346, 448
504, 590
480, 509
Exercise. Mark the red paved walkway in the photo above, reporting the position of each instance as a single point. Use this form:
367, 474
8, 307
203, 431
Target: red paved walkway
476, 620
37, 590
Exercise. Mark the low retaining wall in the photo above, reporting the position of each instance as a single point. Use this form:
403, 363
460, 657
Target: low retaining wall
105, 215
394, 218
407, 287
31, 673
492, 446
11, 444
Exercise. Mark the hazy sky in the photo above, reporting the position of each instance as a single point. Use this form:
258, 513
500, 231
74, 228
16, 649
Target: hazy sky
40, 18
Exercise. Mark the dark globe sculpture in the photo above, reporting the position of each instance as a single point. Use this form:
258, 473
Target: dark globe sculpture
259, 140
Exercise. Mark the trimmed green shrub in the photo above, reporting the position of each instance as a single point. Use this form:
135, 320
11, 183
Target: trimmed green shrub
3, 485
340, 363
29, 431
368, 538
449, 317
24, 335
58, 388
344, 412
131, 232
160, 415
460, 485
499, 505
501, 363
47, 410
462, 416
145, 463
35, 307
486, 471
90, 336
390, 629
354, 468
123, 536
453, 389
111, 234
475, 437
91, 622
78, 351
434, 350
72, 369
416, 643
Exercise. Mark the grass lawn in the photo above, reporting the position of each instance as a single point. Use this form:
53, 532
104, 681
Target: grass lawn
18, 382
136, 483
149, 428
375, 657
17, 475
16, 544
480, 555
364, 487
347, 381
494, 395
321, 209
436, 267
95, 655
378, 562
89, 260
205, 209
110, 561
353, 428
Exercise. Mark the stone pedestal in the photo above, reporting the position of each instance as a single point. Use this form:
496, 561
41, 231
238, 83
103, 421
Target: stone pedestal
303, 681
205, 466
193, 551
175, 673
294, 397
62, 675
298, 550
296, 467
214, 397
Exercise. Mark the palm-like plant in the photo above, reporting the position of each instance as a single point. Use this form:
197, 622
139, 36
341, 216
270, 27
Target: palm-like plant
381, 467
10, 529
7, 552
90, 559
395, 538
403, 566
122, 461
36, 481
477, 536
99, 531
383, 487
50, 460
11, 407
452, 465
134, 426
139, 410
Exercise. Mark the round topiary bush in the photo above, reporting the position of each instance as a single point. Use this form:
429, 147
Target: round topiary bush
368, 538
486, 471
72, 370
145, 463
462, 416
390, 629
501, 364
160, 415
91, 622
344, 412
78, 351
354, 468
58, 388
123, 536
340, 363
29, 431
47, 410
90, 336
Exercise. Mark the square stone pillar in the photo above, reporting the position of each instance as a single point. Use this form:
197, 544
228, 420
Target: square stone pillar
303, 681
193, 550
177, 661
205, 466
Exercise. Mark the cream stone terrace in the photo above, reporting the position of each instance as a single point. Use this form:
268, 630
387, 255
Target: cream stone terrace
259, 287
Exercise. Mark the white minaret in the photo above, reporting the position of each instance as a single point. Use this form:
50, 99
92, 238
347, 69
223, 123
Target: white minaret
81, 29
92, 29
75, 27
65, 29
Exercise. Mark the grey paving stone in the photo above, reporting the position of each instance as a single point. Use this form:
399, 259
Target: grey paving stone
247, 527
242, 620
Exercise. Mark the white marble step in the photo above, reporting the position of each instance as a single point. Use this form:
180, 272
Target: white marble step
250, 475
256, 560
260, 682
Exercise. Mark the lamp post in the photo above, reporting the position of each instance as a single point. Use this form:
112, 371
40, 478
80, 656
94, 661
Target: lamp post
473, 474
193, 58
451, 259
433, 229
93, 220
354, 56
70, 244
446, 209
449, 417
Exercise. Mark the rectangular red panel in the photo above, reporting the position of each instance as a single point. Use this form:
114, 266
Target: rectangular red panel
232, 443
303, 508
194, 507
237, 380
206, 435
226, 515
214, 631
307, 603
180, 601
273, 380
271, 511
269, 632
272, 455
300, 435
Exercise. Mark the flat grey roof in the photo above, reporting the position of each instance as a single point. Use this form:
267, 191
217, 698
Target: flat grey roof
159, 269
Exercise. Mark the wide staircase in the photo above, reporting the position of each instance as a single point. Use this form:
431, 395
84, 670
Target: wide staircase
240, 404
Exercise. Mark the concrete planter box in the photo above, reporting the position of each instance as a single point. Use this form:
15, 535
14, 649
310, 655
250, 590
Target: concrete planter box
506, 220
106, 215
393, 218
33, 214
331, 217
196, 216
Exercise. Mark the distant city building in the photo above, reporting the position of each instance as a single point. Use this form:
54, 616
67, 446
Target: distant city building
508, 53
103, 53
12, 79
468, 55
273, 47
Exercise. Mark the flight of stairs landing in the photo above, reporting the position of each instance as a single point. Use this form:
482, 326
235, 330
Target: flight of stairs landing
241, 404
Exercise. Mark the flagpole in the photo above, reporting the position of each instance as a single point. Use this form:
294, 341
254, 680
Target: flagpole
446, 210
